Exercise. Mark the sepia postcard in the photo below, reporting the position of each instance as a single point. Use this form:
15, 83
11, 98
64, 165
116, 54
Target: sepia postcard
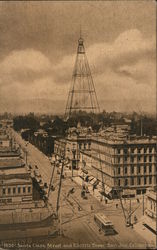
78, 125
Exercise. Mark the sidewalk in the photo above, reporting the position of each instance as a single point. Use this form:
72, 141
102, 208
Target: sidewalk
99, 197
95, 194
145, 232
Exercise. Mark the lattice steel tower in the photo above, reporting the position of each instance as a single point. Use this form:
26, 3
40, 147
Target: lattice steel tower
82, 94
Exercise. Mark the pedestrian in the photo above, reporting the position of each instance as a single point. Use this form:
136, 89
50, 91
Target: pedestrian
93, 189
135, 219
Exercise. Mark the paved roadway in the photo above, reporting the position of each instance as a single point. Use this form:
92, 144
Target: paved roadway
77, 225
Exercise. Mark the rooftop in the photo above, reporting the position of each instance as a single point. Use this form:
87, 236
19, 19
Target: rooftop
9, 152
123, 140
13, 171
11, 163
15, 180
4, 137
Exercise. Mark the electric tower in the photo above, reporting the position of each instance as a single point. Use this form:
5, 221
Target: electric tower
82, 95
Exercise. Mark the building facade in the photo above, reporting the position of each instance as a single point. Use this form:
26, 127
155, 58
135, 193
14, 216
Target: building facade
151, 204
71, 147
125, 164
15, 182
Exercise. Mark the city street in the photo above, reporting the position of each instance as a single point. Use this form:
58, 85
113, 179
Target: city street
76, 214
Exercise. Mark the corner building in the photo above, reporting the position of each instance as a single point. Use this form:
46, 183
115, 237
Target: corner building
126, 165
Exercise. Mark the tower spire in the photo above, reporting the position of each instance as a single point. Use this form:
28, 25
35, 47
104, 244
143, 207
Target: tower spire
80, 31
82, 94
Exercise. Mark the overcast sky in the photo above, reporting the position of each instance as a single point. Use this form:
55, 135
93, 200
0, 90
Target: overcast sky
38, 43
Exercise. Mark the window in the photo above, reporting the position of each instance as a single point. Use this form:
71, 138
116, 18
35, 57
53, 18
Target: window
150, 158
125, 170
118, 151
132, 159
139, 158
145, 180
145, 150
3, 190
29, 189
132, 150
132, 181
150, 169
132, 169
150, 180
24, 190
125, 150
125, 158
118, 159
9, 190
138, 181
19, 190
150, 150
145, 169
119, 182
126, 182
139, 150
138, 169
145, 158
14, 190
118, 170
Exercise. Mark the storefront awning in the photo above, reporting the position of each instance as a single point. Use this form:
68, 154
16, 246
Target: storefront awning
106, 189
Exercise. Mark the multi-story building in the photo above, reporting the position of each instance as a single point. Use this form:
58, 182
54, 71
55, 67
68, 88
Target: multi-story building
125, 164
60, 147
71, 146
4, 139
15, 182
16, 185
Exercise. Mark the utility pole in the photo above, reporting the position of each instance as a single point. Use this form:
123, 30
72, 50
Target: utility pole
59, 190
51, 178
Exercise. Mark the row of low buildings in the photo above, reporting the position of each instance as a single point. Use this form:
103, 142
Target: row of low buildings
123, 163
19, 184
15, 181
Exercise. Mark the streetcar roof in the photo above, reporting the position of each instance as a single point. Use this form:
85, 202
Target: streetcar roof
103, 219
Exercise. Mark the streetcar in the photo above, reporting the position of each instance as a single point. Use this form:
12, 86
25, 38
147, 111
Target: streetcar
104, 224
